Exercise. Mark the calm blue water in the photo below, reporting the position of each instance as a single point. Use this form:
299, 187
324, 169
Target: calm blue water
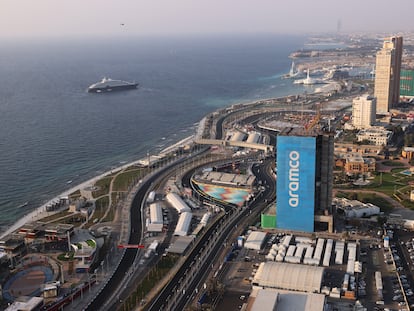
52, 131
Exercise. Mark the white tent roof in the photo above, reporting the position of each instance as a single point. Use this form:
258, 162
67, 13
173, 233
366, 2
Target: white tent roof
156, 213
289, 276
281, 300
183, 224
255, 240
175, 200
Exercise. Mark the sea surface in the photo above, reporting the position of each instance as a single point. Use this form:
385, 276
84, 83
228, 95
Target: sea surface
53, 134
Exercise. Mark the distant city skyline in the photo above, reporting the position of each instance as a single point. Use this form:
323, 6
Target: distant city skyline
28, 18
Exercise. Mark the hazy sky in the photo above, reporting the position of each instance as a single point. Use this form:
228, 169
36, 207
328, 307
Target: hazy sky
104, 17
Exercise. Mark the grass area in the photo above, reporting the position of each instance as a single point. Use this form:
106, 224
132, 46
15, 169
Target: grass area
388, 183
74, 219
372, 198
112, 210
100, 208
123, 180
103, 187
56, 216
66, 256
392, 163
150, 280
395, 185
75, 195
91, 243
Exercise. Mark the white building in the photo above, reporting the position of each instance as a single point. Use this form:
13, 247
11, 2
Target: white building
84, 255
289, 277
156, 213
178, 203
255, 240
156, 220
280, 300
183, 224
363, 112
355, 209
376, 135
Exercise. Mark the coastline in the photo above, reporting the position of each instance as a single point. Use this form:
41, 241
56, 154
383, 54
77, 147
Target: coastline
40, 212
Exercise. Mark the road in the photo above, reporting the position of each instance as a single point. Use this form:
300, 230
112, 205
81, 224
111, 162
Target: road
135, 238
177, 293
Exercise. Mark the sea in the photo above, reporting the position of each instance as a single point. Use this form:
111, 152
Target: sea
54, 135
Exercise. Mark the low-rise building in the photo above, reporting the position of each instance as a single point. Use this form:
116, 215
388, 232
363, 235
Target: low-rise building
13, 245
355, 163
84, 254
364, 150
376, 135
407, 153
58, 232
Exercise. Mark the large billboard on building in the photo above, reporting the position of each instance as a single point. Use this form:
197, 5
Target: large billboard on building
295, 185
407, 83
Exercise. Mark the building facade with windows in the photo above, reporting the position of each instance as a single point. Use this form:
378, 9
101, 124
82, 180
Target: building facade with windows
304, 182
363, 112
387, 74
407, 83
376, 135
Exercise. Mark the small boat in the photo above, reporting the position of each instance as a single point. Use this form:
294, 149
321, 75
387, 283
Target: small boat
24, 204
69, 182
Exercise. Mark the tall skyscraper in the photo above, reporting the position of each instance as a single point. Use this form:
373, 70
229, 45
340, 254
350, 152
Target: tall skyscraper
304, 182
387, 74
363, 112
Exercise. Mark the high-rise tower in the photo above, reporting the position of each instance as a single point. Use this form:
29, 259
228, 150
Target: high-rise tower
304, 182
387, 74
363, 112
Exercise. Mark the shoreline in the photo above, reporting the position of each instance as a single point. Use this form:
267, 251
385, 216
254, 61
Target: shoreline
40, 212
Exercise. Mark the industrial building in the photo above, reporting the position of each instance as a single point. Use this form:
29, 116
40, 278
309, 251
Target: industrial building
387, 74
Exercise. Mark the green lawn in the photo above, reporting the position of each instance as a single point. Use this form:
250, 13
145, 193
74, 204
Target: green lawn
392, 163
150, 280
390, 184
372, 198
103, 187
123, 180
100, 208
